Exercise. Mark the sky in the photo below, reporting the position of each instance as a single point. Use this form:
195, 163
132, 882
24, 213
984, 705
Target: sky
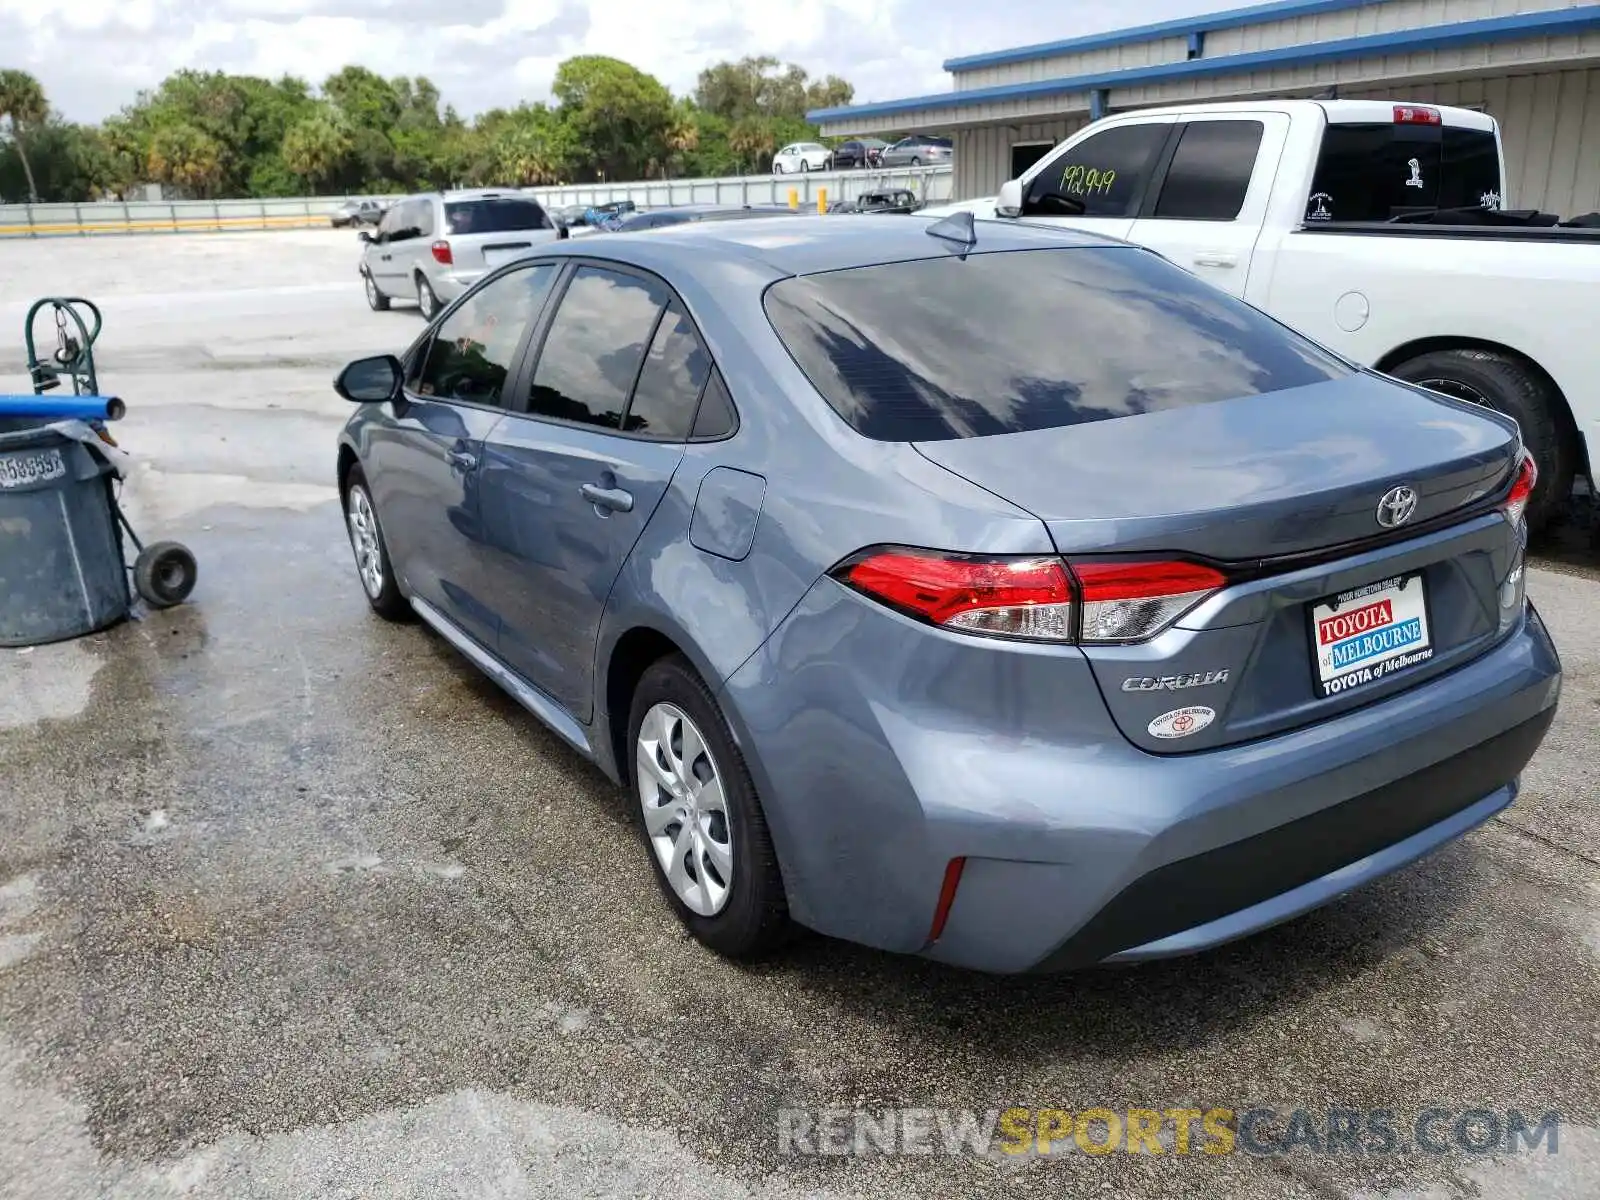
93, 56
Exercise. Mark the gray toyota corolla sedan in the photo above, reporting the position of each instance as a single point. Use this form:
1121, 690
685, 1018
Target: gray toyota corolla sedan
997, 594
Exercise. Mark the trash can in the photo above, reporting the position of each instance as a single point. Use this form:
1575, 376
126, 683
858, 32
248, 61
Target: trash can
62, 572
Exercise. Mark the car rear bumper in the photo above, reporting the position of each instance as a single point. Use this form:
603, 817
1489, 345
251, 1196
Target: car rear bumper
884, 749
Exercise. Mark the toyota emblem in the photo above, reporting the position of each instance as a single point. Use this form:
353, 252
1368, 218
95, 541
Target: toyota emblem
1396, 507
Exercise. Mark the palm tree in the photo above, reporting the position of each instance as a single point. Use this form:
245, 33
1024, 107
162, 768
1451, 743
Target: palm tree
22, 103
752, 141
316, 148
683, 136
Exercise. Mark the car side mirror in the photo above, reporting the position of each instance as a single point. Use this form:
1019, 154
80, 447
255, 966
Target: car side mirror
370, 380
1009, 202
365, 236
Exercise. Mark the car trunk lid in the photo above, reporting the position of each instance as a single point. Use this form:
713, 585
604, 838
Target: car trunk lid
1326, 609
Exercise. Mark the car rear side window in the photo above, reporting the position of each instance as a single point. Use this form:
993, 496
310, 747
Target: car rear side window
472, 352
1005, 342
1102, 176
596, 343
1374, 172
670, 382
1211, 170
503, 214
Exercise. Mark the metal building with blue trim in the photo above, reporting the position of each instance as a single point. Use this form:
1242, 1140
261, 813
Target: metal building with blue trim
1534, 65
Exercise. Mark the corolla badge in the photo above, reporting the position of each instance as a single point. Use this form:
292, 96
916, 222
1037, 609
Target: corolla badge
1174, 683
1397, 506
1181, 722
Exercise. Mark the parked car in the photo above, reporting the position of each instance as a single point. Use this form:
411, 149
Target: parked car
895, 200
801, 156
660, 218
918, 151
356, 212
1003, 595
858, 152
571, 214
1375, 227
434, 247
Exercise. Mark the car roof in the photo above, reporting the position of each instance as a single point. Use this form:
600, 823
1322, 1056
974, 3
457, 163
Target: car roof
790, 245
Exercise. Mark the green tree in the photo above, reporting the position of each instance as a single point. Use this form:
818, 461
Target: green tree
759, 86
317, 149
22, 106
617, 115
187, 158
754, 141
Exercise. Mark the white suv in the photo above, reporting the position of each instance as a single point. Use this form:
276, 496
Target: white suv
801, 156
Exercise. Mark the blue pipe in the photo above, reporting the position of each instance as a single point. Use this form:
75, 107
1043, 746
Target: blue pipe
66, 408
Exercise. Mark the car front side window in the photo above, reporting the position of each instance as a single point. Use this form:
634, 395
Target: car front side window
471, 354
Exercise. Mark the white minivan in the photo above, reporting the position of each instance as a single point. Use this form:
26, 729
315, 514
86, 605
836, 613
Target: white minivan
434, 247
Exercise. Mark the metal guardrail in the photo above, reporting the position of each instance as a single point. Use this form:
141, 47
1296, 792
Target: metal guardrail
932, 184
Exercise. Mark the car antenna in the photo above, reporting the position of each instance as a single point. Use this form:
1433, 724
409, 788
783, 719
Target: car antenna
957, 227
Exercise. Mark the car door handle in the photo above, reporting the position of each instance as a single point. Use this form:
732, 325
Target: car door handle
1215, 258
614, 499
462, 461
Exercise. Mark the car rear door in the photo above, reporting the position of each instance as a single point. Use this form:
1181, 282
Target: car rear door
1100, 182
1207, 209
570, 483
425, 466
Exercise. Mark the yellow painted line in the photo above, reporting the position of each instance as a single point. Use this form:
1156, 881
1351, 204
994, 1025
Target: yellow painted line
167, 225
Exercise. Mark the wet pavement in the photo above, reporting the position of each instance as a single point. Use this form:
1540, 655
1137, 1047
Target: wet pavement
293, 903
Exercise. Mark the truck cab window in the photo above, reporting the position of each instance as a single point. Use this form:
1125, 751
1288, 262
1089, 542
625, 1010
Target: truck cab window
1211, 170
1102, 176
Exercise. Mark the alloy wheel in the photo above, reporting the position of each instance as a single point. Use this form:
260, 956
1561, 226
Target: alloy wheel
685, 811
363, 526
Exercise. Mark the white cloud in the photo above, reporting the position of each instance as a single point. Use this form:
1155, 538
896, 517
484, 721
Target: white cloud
93, 56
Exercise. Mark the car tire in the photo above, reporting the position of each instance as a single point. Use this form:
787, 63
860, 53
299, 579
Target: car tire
376, 300
371, 551
916, 162
748, 916
427, 300
1514, 387
777, 168
805, 164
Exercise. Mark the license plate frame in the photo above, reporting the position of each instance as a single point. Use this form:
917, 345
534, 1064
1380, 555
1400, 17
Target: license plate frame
1367, 634
29, 468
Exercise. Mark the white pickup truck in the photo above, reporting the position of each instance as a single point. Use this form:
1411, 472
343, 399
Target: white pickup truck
1377, 228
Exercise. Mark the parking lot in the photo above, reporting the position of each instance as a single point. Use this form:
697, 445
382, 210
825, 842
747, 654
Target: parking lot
295, 903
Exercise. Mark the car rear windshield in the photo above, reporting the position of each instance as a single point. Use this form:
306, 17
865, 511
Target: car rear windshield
500, 215
1004, 342
1375, 172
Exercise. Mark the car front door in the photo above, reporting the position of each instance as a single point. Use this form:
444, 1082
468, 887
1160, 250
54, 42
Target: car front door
426, 463
1209, 209
569, 485
1100, 181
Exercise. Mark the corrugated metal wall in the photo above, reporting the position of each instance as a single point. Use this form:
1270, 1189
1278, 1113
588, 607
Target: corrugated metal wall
1366, 20
983, 156
1551, 126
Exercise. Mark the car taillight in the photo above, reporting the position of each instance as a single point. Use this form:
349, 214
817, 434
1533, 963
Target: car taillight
1516, 504
1028, 598
1038, 599
1130, 601
441, 253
